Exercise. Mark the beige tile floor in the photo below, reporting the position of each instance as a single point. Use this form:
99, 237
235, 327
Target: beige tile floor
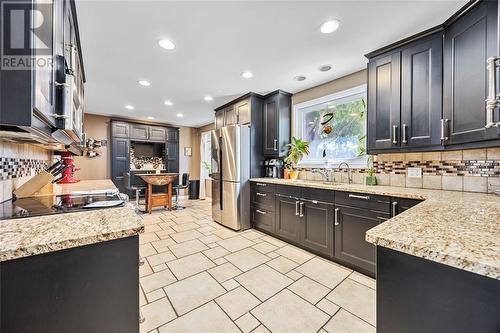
202, 277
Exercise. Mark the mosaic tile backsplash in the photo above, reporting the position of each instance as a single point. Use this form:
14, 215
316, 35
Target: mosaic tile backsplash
20, 162
476, 170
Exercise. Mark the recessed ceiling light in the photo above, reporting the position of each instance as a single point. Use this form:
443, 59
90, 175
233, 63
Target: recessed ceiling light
167, 44
144, 83
208, 98
246, 75
169, 103
329, 26
129, 107
150, 117
299, 78
325, 68
180, 115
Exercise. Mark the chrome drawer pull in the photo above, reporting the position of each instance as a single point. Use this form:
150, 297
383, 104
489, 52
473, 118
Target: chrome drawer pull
394, 206
297, 208
336, 216
260, 184
301, 209
364, 197
261, 194
260, 212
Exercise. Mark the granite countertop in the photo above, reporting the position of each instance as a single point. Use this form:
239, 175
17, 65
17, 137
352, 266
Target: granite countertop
459, 229
86, 187
42, 234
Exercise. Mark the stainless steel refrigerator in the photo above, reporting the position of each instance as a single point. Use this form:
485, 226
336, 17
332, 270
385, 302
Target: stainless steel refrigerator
230, 175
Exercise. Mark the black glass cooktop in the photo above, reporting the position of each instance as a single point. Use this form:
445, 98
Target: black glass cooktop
57, 204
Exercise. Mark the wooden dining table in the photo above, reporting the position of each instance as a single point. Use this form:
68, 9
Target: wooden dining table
158, 199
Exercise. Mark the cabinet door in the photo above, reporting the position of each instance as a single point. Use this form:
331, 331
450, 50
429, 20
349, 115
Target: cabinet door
119, 130
219, 119
263, 219
384, 102
139, 132
230, 115
421, 84
316, 226
43, 50
172, 135
468, 43
350, 244
157, 133
120, 153
287, 218
243, 112
271, 119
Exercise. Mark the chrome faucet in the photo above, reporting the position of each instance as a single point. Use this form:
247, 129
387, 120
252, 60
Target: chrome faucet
326, 173
349, 176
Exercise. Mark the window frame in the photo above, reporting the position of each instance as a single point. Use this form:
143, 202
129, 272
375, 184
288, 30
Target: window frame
297, 127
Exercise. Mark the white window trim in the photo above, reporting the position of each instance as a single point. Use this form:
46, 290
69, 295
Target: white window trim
338, 95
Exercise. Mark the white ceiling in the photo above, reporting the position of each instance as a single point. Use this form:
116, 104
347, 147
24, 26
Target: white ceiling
216, 41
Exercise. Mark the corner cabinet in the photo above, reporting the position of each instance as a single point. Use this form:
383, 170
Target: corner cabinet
276, 122
428, 92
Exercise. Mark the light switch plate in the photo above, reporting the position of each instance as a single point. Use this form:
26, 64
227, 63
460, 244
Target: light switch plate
414, 172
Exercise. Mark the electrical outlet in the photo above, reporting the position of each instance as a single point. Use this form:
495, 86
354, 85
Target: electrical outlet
414, 172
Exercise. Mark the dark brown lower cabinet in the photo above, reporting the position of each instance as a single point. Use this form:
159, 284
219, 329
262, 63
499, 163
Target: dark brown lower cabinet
316, 226
263, 219
351, 224
287, 217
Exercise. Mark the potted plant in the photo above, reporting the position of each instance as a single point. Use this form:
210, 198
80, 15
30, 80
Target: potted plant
298, 148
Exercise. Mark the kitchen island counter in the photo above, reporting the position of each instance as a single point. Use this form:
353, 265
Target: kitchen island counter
30, 236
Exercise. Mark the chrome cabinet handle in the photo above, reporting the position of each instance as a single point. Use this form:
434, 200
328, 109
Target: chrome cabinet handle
443, 129
261, 194
301, 209
394, 134
260, 184
260, 212
394, 206
275, 144
336, 216
297, 208
141, 261
403, 139
364, 197
493, 100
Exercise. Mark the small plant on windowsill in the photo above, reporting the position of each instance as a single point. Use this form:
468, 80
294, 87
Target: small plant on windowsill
298, 149
371, 178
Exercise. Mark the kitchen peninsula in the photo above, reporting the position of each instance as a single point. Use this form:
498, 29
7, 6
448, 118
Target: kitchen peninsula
76, 272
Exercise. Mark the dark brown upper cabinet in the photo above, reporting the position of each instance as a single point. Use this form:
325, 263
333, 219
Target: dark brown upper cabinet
428, 91
276, 122
468, 42
421, 96
384, 101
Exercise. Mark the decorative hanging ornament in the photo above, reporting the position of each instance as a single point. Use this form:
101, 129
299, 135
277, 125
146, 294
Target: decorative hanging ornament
326, 118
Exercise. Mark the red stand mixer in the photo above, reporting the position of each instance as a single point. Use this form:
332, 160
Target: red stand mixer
67, 159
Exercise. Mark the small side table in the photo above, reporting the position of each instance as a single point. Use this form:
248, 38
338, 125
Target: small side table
158, 199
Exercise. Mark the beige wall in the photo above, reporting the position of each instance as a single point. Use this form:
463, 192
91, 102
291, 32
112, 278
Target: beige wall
96, 127
331, 87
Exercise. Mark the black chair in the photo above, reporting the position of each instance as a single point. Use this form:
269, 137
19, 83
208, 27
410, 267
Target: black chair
127, 183
185, 184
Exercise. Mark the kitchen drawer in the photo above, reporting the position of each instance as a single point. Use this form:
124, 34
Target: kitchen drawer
263, 199
263, 219
289, 191
263, 187
318, 194
362, 200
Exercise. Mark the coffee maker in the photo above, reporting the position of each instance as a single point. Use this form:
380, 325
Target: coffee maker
274, 168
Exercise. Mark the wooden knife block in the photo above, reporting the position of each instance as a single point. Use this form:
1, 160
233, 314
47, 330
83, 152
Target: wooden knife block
36, 184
